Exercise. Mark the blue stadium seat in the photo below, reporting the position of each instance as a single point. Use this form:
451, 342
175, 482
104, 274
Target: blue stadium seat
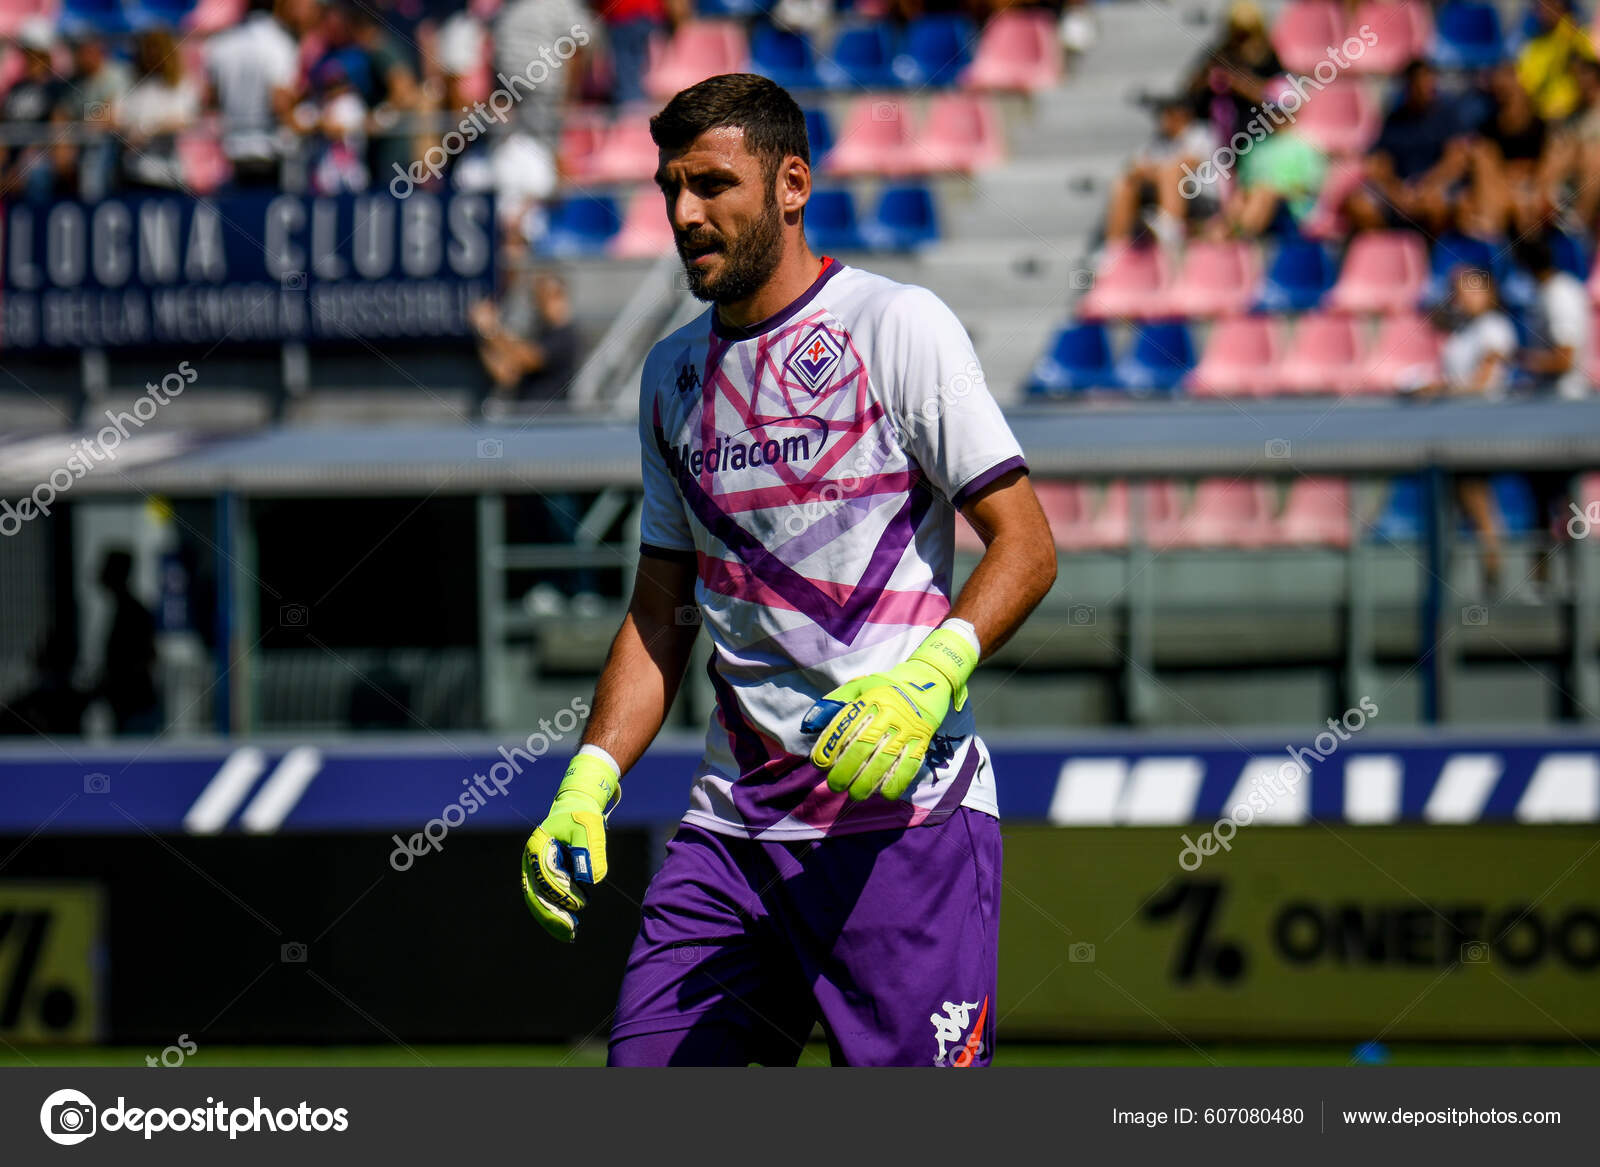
820, 135
905, 220
580, 226
1079, 358
1513, 498
1570, 253
160, 13
1467, 36
831, 222
731, 9
1162, 355
106, 17
935, 50
784, 57
1453, 251
1401, 518
1301, 273
862, 58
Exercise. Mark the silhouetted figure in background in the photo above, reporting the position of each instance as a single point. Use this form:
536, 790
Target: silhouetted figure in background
52, 707
128, 679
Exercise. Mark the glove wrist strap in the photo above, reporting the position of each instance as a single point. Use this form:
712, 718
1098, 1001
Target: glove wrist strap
953, 655
592, 777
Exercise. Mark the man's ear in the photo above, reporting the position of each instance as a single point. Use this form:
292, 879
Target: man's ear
794, 185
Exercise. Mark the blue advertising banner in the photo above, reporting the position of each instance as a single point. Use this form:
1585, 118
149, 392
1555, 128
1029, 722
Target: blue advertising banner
158, 270
472, 783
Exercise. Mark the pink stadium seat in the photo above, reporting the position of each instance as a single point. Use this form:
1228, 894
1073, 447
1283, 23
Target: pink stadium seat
699, 49
1384, 271
1305, 31
582, 136
1216, 279
1240, 358
1099, 525
204, 165
1324, 356
15, 13
1342, 119
1403, 29
1404, 357
1019, 50
962, 133
1163, 513
967, 540
209, 16
645, 231
1062, 503
1326, 221
1316, 514
626, 154
1129, 283
1594, 281
1226, 512
1594, 350
876, 140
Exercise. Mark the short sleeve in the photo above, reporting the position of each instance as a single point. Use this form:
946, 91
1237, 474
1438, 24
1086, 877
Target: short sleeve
663, 526
1501, 339
948, 420
1568, 314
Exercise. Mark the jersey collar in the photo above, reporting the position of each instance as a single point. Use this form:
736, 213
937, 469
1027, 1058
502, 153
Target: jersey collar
830, 268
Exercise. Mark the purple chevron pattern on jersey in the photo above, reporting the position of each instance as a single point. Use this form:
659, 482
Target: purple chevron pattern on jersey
810, 465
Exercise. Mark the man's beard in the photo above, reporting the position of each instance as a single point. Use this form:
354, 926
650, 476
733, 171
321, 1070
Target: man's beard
747, 263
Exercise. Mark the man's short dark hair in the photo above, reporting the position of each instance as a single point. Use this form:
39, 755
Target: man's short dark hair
1534, 254
774, 128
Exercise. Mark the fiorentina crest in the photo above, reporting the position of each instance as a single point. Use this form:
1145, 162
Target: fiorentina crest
814, 360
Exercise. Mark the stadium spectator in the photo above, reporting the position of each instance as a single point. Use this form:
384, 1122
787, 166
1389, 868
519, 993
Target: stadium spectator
394, 91
127, 681
1279, 181
161, 103
1558, 324
30, 172
1231, 76
527, 31
339, 117
528, 343
1547, 65
1157, 176
254, 69
1417, 169
98, 83
629, 26
1514, 168
1578, 140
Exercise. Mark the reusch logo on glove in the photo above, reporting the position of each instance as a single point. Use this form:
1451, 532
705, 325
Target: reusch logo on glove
845, 722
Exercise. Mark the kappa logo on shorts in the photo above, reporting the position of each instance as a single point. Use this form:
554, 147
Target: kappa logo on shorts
949, 1030
814, 360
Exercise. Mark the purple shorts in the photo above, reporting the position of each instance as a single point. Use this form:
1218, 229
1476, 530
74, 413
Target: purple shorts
889, 938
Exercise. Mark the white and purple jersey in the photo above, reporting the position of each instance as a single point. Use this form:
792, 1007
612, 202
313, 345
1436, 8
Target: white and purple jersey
809, 465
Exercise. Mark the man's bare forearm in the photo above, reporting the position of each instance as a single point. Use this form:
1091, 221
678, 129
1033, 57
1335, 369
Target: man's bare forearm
1018, 565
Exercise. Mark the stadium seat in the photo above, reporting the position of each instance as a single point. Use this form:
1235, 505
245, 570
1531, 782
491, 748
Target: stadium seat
731, 9
645, 231
1326, 220
699, 49
1062, 504
1226, 512
1161, 506
582, 137
935, 50
1099, 521
105, 17
1019, 51
1400, 520
962, 133
1570, 252
1161, 356
1513, 498
1128, 283
209, 16
784, 56
1384, 271
14, 14
1216, 279
968, 541
831, 222
1467, 36
1315, 514
1404, 357
1342, 119
1403, 30
905, 220
1304, 31
862, 58
1453, 251
582, 226
819, 134
876, 139
1240, 359
627, 153
1324, 356
1300, 275
159, 13
1079, 358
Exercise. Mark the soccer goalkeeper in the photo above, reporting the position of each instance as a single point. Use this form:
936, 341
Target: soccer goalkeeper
805, 442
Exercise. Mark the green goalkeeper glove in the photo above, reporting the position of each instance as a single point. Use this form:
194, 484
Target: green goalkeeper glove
876, 730
568, 849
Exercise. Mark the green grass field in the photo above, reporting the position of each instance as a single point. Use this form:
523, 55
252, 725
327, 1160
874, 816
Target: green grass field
1012, 1054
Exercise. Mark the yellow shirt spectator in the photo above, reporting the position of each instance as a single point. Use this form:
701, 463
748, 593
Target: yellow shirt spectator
1545, 68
